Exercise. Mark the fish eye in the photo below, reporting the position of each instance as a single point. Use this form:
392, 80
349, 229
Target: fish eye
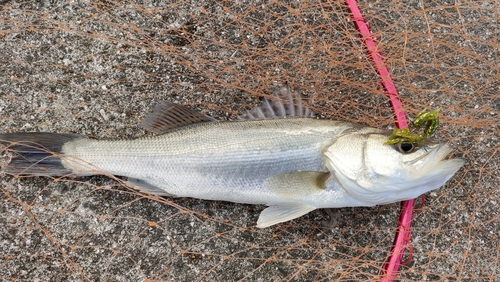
405, 147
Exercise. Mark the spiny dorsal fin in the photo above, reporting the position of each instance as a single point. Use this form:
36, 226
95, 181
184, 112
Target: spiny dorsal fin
167, 116
287, 104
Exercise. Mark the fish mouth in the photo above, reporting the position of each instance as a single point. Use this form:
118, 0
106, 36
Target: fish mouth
431, 156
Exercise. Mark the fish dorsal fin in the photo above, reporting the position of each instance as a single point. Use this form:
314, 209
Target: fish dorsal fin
288, 103
167, 116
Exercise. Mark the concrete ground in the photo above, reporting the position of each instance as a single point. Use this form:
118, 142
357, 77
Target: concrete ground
98, 67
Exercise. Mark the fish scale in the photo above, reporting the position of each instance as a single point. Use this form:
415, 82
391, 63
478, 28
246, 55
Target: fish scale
251, 152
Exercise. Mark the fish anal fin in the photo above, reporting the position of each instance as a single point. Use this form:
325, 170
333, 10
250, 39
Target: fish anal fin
276, 214
146, 187
167, 116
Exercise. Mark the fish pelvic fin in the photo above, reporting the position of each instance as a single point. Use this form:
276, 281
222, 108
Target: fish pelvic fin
285, 103
276, 214
34, 153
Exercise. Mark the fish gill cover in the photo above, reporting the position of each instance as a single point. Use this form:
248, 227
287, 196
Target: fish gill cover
97, 67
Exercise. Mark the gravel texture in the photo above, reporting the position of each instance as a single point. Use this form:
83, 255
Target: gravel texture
98, 67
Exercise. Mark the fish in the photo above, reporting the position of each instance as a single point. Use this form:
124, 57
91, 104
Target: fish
277, 154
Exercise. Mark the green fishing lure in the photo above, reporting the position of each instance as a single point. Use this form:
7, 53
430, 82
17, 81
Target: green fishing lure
428, 118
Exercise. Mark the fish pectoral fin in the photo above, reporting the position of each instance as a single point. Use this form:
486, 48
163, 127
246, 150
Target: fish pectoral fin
276, 214
146, 187
167, 116
297, 184
292, 186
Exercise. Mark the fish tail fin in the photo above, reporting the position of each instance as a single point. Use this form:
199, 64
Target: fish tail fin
34, 153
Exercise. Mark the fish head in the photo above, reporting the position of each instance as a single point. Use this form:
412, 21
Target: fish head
375, 173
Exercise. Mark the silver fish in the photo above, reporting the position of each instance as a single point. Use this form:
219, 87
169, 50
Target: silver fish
277, 155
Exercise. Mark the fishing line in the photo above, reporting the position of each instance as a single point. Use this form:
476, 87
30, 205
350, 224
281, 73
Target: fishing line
403, 234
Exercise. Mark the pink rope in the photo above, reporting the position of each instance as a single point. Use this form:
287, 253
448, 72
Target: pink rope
404, 234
